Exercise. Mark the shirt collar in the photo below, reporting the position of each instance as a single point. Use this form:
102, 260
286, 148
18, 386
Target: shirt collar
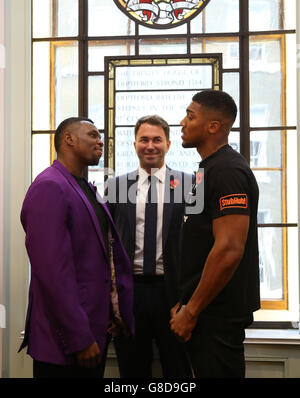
160, 174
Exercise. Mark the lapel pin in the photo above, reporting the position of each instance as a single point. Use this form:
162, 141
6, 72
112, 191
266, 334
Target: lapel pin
174, 183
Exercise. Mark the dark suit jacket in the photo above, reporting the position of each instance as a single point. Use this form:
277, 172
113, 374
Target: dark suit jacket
124, 215
69, 295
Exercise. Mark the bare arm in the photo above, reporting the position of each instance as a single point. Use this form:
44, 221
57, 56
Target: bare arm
230, 234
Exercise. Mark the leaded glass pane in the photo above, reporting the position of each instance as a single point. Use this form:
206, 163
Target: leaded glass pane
291, 177
231, 84
96, 100
162, 46
41, 89
293, 57
229, 48
265, 149
143, 30
105, 19
54, 18
266, 72
41, 153
65, 82
234, 140
55, 83
99, 49
272, 15
218, 16
270, 191
270, 261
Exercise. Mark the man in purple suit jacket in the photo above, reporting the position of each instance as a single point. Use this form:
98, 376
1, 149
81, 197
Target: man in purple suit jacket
74, 249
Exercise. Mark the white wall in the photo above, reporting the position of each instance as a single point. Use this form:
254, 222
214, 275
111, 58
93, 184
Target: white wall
14, 276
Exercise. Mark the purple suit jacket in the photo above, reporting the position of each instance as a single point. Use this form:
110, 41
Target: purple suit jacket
69, 294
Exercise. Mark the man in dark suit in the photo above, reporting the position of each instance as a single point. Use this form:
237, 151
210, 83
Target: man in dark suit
150, 230
74, 249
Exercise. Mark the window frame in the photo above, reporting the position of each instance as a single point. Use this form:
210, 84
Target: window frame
243, 37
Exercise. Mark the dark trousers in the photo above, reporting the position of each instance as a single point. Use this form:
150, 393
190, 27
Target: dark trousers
216, 348
50, 370
152, 316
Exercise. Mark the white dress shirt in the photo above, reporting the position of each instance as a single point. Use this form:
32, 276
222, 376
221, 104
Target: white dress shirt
142, 192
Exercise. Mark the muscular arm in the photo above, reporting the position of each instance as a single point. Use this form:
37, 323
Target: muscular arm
230, 234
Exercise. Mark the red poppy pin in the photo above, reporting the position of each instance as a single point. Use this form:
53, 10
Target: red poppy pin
174, 183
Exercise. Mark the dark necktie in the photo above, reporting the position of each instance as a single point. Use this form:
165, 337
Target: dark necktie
150, 228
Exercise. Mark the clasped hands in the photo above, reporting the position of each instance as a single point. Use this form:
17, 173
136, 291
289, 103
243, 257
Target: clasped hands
182, 322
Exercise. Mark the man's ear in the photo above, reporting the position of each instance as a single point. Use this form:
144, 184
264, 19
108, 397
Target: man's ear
214, 126
168, 145
68, 138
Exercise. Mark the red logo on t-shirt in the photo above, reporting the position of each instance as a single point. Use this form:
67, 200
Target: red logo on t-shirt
199, 177
235, 200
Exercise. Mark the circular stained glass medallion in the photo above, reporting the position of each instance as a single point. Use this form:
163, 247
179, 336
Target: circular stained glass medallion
161, 14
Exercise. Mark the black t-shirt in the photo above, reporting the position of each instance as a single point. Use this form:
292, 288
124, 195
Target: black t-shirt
229, 188
100, 212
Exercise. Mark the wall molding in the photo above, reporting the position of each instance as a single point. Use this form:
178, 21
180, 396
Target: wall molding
2, 154
17, 149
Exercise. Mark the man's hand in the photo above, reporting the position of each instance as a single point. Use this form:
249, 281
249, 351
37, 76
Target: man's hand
174, 309
118, 327
113, 329
182, 323
89, 357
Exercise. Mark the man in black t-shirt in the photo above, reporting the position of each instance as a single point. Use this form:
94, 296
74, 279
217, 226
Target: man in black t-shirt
219, 274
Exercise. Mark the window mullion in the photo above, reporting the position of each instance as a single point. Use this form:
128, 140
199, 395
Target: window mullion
244, 80
83, 59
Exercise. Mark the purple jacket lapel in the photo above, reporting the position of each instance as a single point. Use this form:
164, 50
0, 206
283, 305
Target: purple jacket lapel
101, 201
77, 188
